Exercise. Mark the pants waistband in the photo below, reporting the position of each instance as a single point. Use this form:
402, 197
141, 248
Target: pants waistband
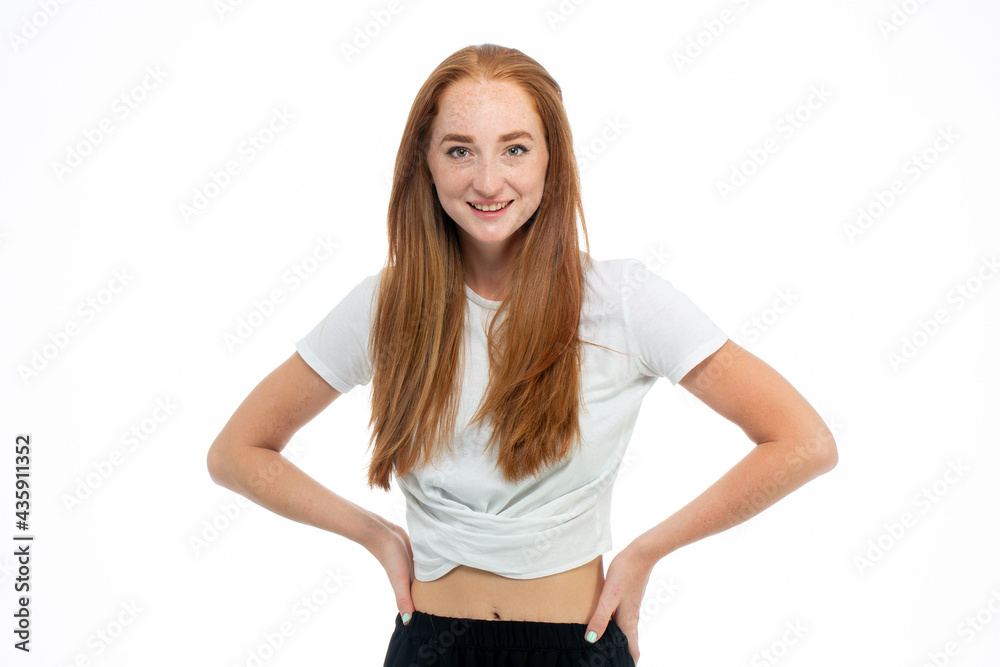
448, 631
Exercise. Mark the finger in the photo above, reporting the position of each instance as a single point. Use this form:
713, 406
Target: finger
406, 611
404, 601
632, 635
599, 621
404, 605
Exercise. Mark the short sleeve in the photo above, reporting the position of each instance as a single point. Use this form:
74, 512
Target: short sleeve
668, 334
337, 347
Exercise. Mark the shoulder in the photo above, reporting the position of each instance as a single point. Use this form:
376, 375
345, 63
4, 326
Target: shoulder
367, 287
357, 302
624, 279
373, 279
602, 275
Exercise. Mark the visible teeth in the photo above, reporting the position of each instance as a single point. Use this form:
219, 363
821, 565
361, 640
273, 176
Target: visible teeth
491, 207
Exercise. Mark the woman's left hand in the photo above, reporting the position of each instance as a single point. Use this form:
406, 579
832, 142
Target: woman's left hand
621, 597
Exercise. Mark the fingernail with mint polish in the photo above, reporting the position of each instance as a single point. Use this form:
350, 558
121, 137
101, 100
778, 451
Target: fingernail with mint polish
591, 636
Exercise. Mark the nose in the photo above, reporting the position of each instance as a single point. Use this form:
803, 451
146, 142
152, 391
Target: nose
488, 179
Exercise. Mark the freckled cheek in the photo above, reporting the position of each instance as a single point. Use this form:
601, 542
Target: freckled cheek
450, 184
532, 185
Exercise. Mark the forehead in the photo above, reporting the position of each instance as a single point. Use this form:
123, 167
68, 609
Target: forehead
489, 106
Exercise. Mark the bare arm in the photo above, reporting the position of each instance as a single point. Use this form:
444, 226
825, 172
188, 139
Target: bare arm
793, 446
246, 456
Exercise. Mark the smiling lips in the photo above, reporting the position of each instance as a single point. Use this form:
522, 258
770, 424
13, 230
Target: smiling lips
490, 207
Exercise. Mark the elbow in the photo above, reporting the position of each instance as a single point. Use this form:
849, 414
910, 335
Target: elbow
811, 453
216, 461
829, 459
826, 456
833, 456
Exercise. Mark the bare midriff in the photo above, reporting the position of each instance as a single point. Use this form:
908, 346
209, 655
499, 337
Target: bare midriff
465, 592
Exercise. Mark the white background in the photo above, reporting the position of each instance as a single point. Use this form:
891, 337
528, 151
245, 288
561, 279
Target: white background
655, 137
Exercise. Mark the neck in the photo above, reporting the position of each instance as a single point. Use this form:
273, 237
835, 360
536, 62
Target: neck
487, 267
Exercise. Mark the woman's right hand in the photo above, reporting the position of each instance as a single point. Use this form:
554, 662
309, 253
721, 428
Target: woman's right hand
395, 555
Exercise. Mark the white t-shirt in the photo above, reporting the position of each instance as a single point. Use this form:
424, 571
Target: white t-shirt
461, 510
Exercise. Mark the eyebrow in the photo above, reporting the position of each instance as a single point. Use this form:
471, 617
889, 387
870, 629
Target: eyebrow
510, 136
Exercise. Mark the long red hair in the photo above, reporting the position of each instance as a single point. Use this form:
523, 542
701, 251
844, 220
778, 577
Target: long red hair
535, 353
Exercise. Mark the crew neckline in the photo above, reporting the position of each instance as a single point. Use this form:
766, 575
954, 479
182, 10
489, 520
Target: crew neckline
486, 303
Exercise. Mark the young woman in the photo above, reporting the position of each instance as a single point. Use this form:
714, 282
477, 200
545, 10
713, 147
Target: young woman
507, 370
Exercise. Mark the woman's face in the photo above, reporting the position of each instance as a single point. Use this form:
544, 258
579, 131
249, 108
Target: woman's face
487, 147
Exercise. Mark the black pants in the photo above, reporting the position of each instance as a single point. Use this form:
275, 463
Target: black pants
443, 641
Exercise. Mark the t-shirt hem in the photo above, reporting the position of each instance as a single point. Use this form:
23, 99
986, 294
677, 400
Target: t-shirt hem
317, 365
696, 356
599, 550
